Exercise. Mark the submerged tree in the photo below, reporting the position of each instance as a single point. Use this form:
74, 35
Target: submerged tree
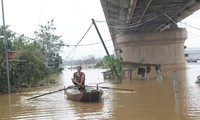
31, 60
33, 68
115, 65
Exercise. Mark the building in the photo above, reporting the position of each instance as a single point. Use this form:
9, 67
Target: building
192, 54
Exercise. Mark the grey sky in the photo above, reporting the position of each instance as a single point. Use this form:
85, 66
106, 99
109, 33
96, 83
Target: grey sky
72, 18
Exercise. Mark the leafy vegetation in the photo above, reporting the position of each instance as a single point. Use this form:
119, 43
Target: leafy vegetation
32, 61
115, 65
49, 44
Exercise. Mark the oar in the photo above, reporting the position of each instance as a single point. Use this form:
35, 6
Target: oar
50, 92
97, 83
113, 88
46, 93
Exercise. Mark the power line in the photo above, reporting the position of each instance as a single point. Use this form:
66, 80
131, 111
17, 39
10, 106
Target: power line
97, 50
29, 38
42, 11
136, 24
190, 26
79, 42
84, 35
99, 42
194, 34
33, 39
91, 43
180, 22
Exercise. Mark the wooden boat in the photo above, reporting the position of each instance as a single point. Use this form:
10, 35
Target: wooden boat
88, 94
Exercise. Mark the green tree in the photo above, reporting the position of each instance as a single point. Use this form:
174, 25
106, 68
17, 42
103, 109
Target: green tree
115, 65
28, 63
49, 44
10, 36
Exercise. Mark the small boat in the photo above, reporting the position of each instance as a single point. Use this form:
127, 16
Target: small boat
88, 94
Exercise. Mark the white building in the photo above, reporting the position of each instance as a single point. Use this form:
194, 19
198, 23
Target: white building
192, 54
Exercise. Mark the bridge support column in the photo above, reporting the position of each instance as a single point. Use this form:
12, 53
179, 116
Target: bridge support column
165, 47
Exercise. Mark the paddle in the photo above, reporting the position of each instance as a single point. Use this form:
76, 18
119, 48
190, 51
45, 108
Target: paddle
46, 94
76, 86
50, 92
97, 83
113, 88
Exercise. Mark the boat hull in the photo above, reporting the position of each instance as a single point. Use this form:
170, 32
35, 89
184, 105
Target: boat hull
88, 94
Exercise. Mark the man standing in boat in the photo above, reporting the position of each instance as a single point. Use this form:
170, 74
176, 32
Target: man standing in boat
79, 77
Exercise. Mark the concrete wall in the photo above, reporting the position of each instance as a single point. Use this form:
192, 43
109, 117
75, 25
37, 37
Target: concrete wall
165, 47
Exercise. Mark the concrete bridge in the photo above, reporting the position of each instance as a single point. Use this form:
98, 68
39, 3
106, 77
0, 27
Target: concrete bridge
147, 31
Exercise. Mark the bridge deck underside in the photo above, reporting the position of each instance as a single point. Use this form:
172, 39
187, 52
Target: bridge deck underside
146, 15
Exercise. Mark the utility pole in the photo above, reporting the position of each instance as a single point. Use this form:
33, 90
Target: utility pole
100, 37
6, 47
7, 63
113, 67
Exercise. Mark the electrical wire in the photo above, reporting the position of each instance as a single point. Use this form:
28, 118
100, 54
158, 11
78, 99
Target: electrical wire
90, 43
99, 42
84, 35
190, 26
79, 12
194, 36
135, 24
73, 50
63, 45
33, 53
180, 22
41, 13
29, 38
93, 51
194, 33
32, 39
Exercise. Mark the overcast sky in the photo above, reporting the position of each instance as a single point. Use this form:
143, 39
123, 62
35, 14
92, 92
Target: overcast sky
72, 18
193, 29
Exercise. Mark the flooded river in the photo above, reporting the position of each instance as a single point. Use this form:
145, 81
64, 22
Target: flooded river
152, 99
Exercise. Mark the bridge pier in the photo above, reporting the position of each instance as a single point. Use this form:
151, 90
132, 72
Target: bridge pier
164, 47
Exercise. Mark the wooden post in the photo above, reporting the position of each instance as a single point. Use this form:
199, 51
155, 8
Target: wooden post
175, 83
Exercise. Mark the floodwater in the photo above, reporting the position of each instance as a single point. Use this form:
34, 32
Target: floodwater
151, 100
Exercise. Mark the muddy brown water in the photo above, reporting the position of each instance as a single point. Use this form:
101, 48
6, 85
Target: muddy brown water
152, 100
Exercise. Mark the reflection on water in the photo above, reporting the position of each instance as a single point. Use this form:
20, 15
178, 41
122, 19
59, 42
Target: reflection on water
152, 99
